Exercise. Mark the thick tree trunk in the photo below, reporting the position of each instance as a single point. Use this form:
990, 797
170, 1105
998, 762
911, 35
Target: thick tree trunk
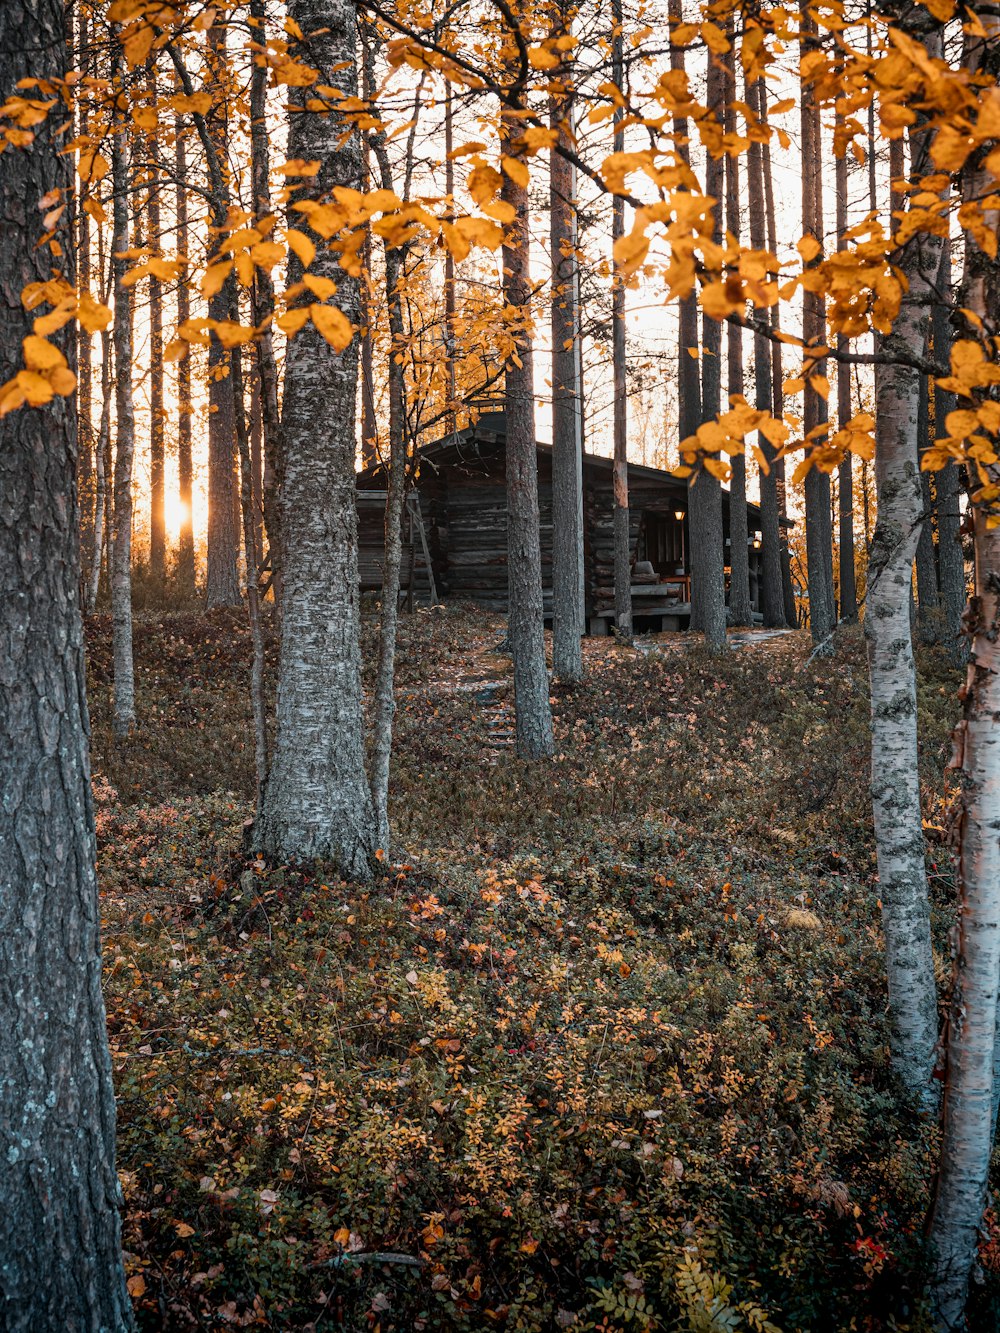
895, 774
263, 293
85, 376
185, 464
533, 716
622, 543
121, 563
222, 582
60, 1240
318, 802
567, 461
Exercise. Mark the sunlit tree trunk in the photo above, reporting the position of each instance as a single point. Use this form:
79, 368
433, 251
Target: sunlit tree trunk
101, 525
263, 298
567, 463
157, 513
533, 716
60, 1239
185, 466
85, 377
121, 563
317, 802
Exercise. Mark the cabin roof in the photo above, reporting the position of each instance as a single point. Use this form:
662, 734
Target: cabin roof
472, 444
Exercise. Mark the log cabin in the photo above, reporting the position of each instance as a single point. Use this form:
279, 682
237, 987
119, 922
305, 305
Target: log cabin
455, 537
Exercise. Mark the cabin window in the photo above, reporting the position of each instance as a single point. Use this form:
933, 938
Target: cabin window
661, 542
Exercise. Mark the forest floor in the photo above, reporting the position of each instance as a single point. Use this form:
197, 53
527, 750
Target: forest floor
606, 1049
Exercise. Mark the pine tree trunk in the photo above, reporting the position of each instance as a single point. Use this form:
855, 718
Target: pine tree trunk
771, 593
740, 604
185, 462
819, 531
622, 542
222, 583
567, 462
848, 578
263, 294
121, 563
102, 480
928, 601
533, 717
708, 580
60, 1240
85, 376
317, 802
157, 512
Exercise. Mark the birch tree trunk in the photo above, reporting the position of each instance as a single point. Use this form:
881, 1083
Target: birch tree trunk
60, 1237
899, 837
972, 1050
121, 563
317, 802
532, 713
567, 462
969, 1101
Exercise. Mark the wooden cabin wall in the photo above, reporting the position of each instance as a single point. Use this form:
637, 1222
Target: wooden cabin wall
599, 548
476, 540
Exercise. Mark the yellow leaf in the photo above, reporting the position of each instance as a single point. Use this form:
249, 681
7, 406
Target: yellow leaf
36, 388
540, 57
477, 231
93, 315
231, 334
183, 1230
265, 254
333, 324
214, 278
808, 247
821, 385
516, 170
455, 241
302, 246
136, 1286
323, 288
292, 320
146, 118
41, 355
483, 184
244, 269
198, 103
93, 165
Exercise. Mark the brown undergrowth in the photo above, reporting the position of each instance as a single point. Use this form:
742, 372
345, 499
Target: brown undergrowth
604, 1050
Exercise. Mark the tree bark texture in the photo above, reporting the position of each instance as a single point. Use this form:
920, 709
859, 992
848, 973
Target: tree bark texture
740, 605
263, 292
121, 562
951, 559
567, 461
848, 577
623, 567
895, 773
222, 581
532, 713
185, 464
60, 1241
317, 802
157, 513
